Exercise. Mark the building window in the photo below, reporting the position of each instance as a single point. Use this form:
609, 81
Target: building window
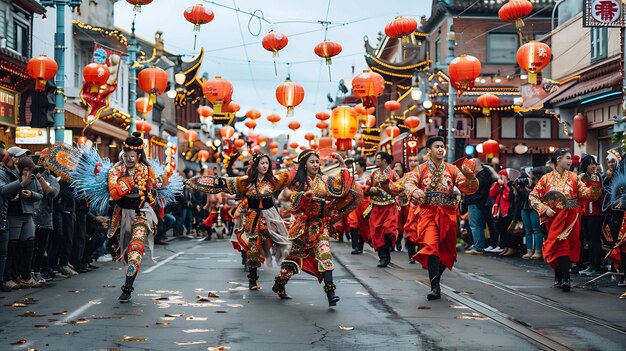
508, 127
598, 43
22, 35
437, 50
501, 48
483, 128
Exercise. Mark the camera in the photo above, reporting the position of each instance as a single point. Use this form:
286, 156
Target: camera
520, 182
38, 170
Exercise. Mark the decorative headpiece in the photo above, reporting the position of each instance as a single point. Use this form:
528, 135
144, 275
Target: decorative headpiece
258, 155
304, 154
614, 154
134, 142
558, 154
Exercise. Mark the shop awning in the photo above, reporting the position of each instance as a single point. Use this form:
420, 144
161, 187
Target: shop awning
608, 81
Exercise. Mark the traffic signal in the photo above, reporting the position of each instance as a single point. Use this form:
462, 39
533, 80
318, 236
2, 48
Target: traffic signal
42, 106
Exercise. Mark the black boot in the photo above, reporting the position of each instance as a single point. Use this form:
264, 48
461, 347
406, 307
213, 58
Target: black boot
411, 249
399, 242
622, 268
434, 276
279, 283
355, 238
329, 288
383, 252
564, 266
127, 289
252, 278
558, 280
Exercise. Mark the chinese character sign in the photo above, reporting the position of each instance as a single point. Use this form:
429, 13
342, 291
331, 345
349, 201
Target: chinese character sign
604, 13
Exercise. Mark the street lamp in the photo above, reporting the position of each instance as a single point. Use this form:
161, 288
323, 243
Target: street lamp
59, 57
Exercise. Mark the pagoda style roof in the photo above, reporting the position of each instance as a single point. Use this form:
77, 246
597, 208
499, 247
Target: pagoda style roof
398, 58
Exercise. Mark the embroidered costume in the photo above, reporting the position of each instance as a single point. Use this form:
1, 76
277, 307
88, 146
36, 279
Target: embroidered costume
384, 215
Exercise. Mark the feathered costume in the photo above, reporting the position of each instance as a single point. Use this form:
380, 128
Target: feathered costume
134, 193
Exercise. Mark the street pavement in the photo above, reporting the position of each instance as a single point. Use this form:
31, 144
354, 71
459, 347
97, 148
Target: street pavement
489, 304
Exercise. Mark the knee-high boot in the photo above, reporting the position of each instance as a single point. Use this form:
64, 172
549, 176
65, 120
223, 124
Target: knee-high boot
252, 278
329, 288
433, 275
564, 264
383, 254
410, 247
127, 288
389, 245
356, 238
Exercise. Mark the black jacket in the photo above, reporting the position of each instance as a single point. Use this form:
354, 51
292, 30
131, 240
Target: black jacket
485, 180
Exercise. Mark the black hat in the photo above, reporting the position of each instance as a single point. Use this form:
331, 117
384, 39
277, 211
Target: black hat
431, 140
134, 142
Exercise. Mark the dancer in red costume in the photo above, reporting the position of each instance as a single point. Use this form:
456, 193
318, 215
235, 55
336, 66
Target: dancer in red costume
431, 186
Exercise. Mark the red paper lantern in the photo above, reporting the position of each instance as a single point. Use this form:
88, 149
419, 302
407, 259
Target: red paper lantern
250, 124
515, 10
96, 74
285, 152
261, 139
198, 15
227, 132
322, 116
205, 111
274, 151
309, 136
81, 141
392, 105
302, 147
580, 128
370, 121
232, 107
412, 122
487, 101
253, 114
463, 72
239, 143
290, 95
256, 148
191, 136
491, 148
274, 42
367, 86
361, 110
203, 155
322, 125
41, 68
218, 91
143, 126
294, 125
392, 132
345, 125
138, 4
274, 118
294, 145
327, 49
143, 106
532, 57
273, 145
152, 80
314, 146
400, 27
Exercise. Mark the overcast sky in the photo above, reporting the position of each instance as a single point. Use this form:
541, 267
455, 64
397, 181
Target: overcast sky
233, 50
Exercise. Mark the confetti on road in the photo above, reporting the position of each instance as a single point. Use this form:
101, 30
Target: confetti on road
183, 343
192, 318
198, 330
20, 342
423, 307
236, 305
131, 339
344, 327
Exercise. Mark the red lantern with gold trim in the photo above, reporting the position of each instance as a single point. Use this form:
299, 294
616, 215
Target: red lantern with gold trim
274, 42
487, 101
253, 114
239, 143
412, 122
392, 132
143, 106
345, 125
322, 116
198, 15
41, 69
327, 49
273, 145
515, 10
232, 107
143, 126
463, 72
580, 129
290, 95
203, 155
152, 80
250, 124
96, 74
392, 105
138, 4
294, 145
218, 91
370, 121
309, 137
491, 148
367, 86
322, 125
533, 57
400, 27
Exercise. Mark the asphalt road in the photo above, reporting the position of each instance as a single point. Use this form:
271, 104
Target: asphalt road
489, 304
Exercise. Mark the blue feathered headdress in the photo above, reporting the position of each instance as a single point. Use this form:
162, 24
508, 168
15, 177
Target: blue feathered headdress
91, 180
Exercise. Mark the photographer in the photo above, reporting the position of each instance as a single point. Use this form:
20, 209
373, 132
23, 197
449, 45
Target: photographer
532, 227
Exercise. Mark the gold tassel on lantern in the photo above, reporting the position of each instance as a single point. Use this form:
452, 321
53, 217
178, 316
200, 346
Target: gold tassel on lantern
519, 23
486, 111
532, 78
